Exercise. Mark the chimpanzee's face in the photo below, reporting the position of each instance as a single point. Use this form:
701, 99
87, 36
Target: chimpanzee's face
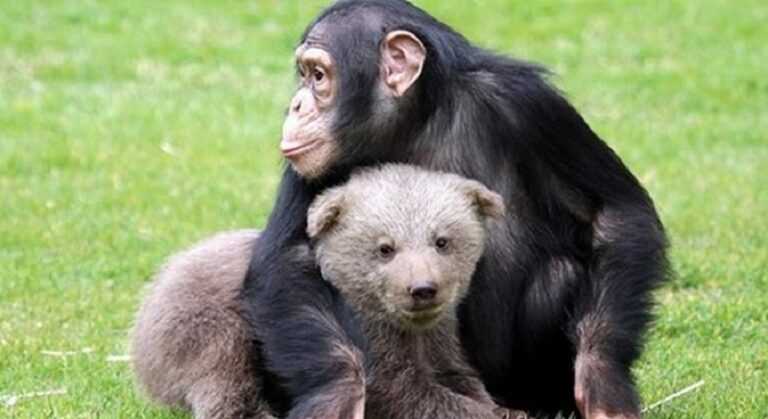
309, 141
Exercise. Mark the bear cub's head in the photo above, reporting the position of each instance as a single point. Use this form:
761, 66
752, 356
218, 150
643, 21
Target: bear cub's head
401, 243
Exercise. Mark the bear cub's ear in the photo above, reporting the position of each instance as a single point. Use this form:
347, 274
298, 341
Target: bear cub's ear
488, 203
324, 212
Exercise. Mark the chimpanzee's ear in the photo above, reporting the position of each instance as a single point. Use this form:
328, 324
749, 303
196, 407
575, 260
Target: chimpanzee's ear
488, 203
324, 212
402, 58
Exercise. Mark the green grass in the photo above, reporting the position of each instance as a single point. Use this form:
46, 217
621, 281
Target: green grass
131, 129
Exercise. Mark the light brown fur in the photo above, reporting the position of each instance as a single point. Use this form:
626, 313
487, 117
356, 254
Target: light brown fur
417, 366
190, 348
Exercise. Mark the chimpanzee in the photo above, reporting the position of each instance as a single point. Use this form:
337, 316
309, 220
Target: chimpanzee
562, 296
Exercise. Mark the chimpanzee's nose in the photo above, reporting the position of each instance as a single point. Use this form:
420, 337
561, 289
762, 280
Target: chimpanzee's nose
424, 293
296, 104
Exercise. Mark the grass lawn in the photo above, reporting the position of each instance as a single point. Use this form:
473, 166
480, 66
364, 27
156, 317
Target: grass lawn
131, 129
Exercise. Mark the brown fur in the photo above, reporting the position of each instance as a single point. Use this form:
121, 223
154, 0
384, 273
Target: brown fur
417, 366
189, 344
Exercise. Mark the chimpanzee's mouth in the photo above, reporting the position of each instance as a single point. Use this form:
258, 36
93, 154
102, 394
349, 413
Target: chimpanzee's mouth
295, 151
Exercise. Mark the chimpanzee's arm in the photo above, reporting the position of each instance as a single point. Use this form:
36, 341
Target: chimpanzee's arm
308, 335
627, 259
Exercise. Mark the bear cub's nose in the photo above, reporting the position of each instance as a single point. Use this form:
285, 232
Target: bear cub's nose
423, 294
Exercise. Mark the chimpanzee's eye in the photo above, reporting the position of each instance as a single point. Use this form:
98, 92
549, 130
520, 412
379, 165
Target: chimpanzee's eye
318, 75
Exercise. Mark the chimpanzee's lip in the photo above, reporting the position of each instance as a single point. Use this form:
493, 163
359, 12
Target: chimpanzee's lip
293, 151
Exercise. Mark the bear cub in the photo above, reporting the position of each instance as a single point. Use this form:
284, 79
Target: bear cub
401, 245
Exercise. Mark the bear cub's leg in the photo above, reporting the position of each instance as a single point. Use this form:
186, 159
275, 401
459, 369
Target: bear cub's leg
190, 346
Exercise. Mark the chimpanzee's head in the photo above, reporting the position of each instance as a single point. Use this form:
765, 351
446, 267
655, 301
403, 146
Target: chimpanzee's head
360, 66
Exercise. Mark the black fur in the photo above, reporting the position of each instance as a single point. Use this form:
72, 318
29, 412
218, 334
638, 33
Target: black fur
571, 272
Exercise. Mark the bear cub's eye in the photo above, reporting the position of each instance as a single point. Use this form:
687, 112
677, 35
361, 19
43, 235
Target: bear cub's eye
386, 250
441, 243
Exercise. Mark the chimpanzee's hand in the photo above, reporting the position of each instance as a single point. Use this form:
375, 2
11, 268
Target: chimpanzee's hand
603, 390
504, 413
